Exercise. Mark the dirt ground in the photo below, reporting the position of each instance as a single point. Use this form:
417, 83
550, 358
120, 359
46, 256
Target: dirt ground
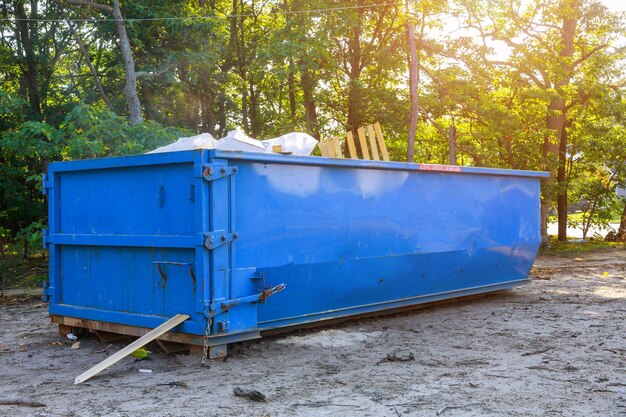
556, 347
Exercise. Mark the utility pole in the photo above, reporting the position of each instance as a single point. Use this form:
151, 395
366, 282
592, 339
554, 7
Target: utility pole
413, 83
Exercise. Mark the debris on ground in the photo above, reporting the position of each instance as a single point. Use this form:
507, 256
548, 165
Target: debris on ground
251, 394
179, 384
34, 404
141, 353
457, 407
398, 357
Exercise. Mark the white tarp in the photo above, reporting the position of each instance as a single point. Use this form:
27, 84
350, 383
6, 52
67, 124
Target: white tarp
296, 142
201, 141
237, 140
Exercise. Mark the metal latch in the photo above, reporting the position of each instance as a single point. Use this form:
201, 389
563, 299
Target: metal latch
212, 172
214, 309
216, 239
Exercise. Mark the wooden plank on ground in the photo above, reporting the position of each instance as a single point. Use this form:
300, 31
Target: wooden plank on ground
381, 142
324, 149
362, 142
337, 145
373, 146
142, 341
350, 145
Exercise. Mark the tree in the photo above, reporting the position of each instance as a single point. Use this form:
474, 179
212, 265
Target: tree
133, 104
554, 47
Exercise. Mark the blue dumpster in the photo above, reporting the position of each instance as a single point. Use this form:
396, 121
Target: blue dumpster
246, 242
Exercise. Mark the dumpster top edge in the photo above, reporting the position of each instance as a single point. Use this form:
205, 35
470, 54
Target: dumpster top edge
124, 161
369, 164
195, 156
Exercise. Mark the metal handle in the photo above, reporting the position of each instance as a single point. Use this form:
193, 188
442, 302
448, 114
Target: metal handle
164, 277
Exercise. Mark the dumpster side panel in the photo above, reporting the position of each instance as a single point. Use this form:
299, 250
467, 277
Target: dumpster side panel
357, 240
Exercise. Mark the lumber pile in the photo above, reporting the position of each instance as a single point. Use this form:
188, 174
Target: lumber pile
371, 143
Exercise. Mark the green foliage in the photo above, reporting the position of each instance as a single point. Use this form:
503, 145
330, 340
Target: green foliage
30, 238
93, 132
576, 248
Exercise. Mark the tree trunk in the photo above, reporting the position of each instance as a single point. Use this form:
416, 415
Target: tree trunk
208, 117
562, 190
152, 112
243, 70
621, 232
30, 71
92, 69
354, 91
413, 86
308, 87
255, 128
291, 90
555, 121
452, 144
130, 89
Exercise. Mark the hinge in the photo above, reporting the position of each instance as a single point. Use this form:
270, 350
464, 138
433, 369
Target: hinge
212, 172
216, 239
45, 239
46, 184
45, 291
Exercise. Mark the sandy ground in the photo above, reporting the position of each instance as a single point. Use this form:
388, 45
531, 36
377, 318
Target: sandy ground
555, 347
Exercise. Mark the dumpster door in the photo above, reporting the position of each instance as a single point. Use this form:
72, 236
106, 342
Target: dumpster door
234, 292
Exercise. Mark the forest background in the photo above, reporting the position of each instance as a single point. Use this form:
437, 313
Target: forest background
522, 84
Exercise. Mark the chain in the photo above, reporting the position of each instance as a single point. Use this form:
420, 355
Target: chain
205, 352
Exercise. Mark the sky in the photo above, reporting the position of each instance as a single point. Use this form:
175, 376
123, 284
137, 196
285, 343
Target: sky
615, 5
501, 50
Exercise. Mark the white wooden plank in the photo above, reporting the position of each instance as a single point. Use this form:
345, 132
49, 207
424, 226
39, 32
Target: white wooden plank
142, 341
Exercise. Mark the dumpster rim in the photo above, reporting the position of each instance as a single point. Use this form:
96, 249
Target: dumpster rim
269, 158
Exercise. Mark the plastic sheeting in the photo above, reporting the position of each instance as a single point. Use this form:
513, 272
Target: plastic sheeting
297, 143
201, 141
237, 140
